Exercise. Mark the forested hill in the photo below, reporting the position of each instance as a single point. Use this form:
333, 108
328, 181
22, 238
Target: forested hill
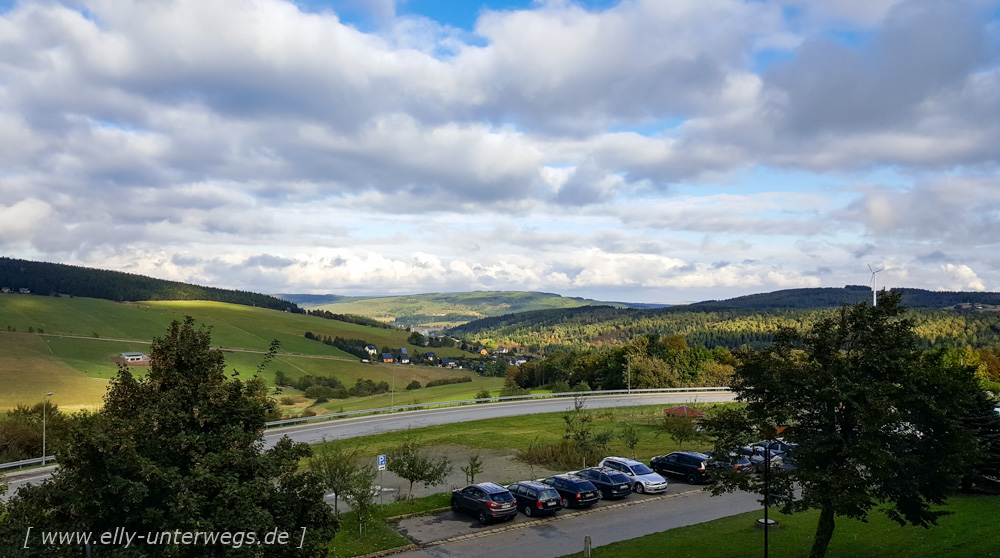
851, 294
52, 279
953, 318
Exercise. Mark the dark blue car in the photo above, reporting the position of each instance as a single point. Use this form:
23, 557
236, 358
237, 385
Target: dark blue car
535, 498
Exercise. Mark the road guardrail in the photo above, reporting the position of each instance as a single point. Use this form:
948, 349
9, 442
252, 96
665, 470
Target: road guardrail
26, 462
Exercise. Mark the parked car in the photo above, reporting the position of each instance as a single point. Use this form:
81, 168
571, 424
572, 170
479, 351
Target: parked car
487, 501
690, 465
756, 456
576, 492
642, 478
734, 461
780, 447
536, 498
611, 483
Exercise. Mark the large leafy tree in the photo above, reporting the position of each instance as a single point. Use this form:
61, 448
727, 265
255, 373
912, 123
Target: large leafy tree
879, 423
180, 449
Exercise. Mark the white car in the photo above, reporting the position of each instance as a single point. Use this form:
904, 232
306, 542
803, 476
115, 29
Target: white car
643, 478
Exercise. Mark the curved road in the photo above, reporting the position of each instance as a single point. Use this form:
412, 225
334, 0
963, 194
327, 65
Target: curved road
376, 424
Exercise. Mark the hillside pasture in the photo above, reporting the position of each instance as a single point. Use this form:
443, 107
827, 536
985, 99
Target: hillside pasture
29, 369
82, 335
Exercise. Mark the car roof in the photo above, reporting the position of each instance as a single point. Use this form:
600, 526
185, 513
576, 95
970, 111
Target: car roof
697, 454
490, 487
533, 484
569, 476
624, 460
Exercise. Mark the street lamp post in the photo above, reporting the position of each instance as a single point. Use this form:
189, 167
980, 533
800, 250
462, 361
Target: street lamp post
767, 490
44, 410
630, 374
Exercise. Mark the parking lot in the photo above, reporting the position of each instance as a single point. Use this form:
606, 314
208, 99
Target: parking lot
449, 525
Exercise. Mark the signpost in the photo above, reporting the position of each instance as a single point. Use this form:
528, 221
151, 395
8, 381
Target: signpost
380, 460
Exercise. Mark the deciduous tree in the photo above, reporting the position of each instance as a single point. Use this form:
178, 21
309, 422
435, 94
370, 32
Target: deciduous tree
407, 461
878, 423
176, 450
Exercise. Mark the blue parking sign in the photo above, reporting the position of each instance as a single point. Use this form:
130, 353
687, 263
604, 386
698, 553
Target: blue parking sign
381, 463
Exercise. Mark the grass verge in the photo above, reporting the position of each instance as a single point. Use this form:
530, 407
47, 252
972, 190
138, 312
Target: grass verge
968, 532
520, 432
378, 534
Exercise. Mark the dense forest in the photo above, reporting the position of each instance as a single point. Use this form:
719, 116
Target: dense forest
58, 279
942, 319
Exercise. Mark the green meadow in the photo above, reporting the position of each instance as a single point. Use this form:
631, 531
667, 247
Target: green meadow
66, 345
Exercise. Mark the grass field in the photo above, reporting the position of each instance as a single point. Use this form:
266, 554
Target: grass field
28, 369
72, 358
520, 432
970, 531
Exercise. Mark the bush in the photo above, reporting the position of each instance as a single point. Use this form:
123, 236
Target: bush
287, 400
321, 393
561, 386
448, 381
582, 386
415, 384
482, 394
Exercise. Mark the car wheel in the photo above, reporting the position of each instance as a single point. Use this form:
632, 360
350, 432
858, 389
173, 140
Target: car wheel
527, 511
454, 505
692, 478
640, 488
483, 519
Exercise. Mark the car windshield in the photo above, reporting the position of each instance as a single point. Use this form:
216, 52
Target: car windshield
618, 477
502, 497
641, 469
548, 494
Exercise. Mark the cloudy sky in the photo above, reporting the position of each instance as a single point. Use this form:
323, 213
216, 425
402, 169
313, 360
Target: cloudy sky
641, 150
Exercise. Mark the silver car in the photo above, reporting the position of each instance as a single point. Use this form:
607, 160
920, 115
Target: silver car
643, 478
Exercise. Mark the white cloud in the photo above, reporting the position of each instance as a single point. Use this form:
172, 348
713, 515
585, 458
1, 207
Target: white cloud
555, 147
961, 278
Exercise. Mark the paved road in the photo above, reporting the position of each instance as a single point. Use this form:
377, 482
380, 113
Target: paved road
365, 426
540, 538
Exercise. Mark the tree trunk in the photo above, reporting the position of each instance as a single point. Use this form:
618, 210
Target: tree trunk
824, 532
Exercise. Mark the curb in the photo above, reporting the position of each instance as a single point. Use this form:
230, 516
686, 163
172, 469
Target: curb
390, 551
416, 514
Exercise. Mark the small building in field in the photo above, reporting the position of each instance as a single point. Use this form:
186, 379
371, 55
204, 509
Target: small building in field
133, 359
448, 362
429, 356
22, 290
403, 357
386, 357
371, 349
5, 290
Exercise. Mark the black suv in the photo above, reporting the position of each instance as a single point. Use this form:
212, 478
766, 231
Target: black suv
611, 483
691, 465
487, 501
576, 492
535, 498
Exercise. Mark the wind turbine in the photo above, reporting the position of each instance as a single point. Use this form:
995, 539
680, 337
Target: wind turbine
874, 289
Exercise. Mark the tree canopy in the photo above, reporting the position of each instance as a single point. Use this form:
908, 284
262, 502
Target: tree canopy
179, 450
879, 424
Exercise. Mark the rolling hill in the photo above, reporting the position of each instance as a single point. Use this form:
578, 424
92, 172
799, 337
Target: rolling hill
960, 318
60, 279
65, 345
436, 311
